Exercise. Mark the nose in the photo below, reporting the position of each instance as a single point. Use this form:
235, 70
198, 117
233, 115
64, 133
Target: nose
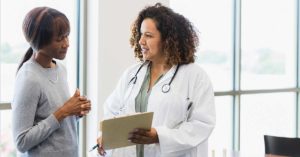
66, 42
142, 41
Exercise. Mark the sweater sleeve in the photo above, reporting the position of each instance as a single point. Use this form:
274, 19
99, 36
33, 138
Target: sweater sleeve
27, 96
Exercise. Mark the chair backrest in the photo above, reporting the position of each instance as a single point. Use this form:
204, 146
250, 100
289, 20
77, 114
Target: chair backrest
282, 146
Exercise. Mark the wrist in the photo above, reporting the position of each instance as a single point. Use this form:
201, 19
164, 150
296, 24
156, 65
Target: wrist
60, 114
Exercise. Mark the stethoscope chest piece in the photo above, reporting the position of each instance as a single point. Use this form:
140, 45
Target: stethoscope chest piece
165, 88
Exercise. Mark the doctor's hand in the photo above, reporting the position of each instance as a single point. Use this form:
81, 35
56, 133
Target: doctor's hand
101, 150
142, 136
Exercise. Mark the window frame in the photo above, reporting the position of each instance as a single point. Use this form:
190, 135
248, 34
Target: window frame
237, 92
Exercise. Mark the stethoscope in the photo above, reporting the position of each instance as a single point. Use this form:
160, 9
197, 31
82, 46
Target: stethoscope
165, 88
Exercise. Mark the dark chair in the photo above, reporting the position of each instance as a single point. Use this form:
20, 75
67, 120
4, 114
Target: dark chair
282, 146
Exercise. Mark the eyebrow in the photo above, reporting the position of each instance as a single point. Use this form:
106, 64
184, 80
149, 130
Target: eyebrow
148, 33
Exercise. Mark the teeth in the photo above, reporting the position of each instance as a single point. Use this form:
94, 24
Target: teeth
144, 50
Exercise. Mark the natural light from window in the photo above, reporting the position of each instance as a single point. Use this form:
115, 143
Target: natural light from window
268, 61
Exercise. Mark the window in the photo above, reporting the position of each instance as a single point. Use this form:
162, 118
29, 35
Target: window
214, 23
12, 48
268, 46
249, 48
271, 113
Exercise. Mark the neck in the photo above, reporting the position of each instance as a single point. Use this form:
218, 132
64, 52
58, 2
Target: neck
160, 67
44, 60
156, 70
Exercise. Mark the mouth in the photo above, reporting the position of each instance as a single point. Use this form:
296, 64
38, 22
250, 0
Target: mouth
144, 50
63, 51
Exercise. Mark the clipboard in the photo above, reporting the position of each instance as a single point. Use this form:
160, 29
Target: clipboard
115, 130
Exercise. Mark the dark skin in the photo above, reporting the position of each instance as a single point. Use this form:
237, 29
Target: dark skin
138, 136
77, 105
142, 136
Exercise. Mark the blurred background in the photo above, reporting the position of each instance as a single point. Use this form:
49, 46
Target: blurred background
249, 48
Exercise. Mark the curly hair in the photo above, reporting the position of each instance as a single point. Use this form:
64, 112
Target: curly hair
178, 35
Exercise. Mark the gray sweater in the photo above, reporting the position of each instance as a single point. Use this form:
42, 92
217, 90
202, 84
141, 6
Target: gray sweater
38, 93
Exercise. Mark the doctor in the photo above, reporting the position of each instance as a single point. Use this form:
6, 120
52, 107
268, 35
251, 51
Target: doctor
168, 83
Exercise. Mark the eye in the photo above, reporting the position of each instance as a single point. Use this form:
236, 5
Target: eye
147, 35
60, 38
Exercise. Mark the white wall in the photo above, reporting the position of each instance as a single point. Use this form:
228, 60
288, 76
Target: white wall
108, 50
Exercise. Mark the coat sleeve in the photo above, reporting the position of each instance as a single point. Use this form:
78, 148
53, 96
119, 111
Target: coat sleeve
114, 102
198, 126
24, 106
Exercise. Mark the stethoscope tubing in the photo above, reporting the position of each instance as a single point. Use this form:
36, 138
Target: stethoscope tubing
165, 88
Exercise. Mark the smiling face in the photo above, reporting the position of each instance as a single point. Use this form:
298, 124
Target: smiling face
150, 41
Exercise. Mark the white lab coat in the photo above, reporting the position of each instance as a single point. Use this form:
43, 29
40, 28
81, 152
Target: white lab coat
181, 133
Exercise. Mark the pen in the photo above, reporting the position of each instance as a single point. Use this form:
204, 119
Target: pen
186, 115
189, 106
188, 110
95, 146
